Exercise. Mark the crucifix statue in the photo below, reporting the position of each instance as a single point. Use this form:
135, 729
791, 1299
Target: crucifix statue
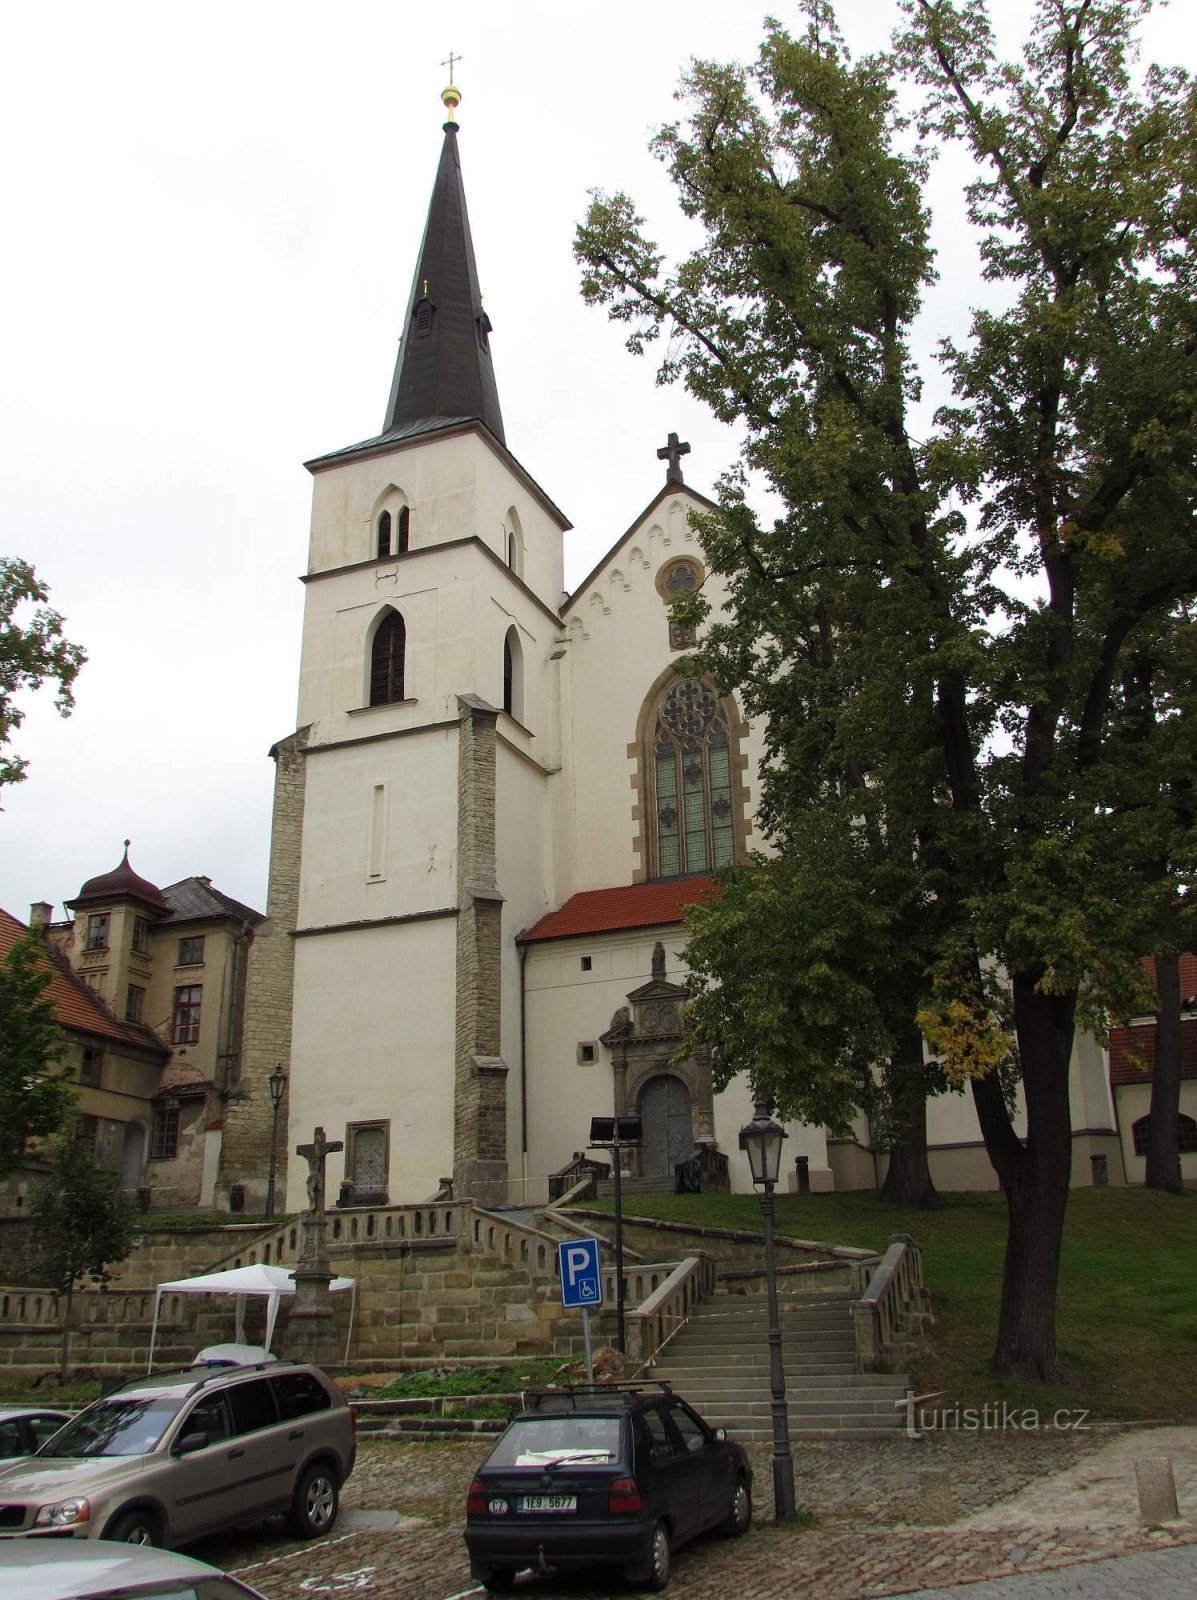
673, 452
315, 1155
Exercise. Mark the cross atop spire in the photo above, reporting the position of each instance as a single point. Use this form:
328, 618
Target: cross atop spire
673, 452
451, 62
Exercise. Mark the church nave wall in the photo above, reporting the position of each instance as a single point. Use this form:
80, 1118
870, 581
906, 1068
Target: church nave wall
373, 1041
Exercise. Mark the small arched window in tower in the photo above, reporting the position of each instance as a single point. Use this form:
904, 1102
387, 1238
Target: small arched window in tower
422, 317
404, 530
384, 534
514, 539
692, 781
387, 652
513, 676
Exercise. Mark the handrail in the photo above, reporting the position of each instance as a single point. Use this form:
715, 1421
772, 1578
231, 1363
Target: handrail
655, 1321
894, 1308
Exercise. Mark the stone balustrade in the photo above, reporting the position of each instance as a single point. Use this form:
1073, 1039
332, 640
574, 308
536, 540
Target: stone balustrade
894, 1308
667, 1308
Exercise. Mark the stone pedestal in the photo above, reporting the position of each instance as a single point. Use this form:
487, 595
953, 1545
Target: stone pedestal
311, 1326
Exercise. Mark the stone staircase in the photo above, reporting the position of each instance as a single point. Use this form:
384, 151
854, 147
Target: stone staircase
605, 1187
720, 1363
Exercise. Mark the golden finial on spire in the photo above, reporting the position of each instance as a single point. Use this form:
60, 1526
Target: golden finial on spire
451, 94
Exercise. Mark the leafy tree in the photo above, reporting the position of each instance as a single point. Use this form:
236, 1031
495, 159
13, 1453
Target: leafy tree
933, 630
35, 1100
85, 1221
32, 650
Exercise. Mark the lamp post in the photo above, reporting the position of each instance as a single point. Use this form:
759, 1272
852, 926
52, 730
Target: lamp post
761, 1140
278, 1082
616, 1134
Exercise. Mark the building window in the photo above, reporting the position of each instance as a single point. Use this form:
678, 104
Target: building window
91, 1068
404, 519
134, 1001
187, 1013
1187, 1141
384, 534
141, 935
87, 1131
679, 577
164, 1139
690, 770
585, 962
387, 660
97, 931
423, 314
515, 541
587, 1053
94, 981
191, 951
513, 676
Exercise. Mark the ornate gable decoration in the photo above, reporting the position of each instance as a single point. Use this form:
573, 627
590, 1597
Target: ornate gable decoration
657, 1005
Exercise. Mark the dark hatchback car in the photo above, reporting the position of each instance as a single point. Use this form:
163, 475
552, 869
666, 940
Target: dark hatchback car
603, 1476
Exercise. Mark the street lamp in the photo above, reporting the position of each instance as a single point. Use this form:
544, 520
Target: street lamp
616, 1134
761, 1140
278, 1082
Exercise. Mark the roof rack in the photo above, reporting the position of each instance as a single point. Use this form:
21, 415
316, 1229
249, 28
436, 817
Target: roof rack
203, 1372
570, 1395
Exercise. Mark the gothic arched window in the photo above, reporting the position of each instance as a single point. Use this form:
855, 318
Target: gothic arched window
384, 534
404, 530
387, 651
513, 676
691, 773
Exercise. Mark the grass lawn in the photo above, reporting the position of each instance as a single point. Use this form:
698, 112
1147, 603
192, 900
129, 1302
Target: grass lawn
1127, 1311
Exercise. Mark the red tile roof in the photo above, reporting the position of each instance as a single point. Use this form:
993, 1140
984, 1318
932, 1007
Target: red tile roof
634, 905
78, 1008
1132, 1051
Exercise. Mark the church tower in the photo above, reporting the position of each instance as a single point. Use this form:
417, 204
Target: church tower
429, 736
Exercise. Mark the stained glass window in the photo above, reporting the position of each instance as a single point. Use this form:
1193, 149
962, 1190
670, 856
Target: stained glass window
692, 778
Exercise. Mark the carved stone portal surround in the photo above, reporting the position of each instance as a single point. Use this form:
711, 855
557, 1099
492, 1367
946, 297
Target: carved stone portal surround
643, 1036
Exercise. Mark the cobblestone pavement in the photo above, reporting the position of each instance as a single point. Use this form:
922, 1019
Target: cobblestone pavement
859, 1537
1161, 1574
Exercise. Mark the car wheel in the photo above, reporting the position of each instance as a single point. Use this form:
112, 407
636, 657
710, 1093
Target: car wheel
739, 1511
314, 1508
658, 1557
135, 1527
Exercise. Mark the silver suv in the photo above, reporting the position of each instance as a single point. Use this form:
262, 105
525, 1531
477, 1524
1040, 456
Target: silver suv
169, 1458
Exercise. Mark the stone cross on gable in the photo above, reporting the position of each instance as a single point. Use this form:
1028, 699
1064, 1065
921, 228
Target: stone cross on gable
315, 1154
673, 452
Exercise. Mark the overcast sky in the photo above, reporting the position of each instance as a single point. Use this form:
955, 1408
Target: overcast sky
211, 219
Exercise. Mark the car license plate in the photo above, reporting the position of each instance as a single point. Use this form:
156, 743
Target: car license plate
547, 1502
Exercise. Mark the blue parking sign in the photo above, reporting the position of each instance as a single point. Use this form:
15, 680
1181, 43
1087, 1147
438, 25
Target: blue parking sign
581, 1281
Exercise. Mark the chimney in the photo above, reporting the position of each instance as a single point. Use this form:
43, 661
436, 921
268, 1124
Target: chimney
40, 913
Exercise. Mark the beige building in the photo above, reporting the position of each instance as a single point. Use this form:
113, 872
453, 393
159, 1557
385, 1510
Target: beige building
498, 799
165, 966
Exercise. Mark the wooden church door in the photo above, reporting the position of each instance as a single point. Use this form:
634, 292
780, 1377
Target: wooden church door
667, 1127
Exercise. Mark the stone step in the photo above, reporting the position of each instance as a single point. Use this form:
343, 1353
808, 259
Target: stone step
853, 1403
755, 1381
856, 1428
630, 1186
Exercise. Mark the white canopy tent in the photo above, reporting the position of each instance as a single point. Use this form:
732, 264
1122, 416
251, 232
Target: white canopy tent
269, 1282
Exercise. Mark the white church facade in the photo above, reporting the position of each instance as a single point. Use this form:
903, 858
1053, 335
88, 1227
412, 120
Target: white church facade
498, 801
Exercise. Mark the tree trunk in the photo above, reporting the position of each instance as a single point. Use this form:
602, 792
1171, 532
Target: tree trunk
1162, 1147
1034, 1176
63, 1365
908, 1181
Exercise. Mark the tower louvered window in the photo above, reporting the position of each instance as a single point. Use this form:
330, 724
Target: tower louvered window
691, 755
387, 660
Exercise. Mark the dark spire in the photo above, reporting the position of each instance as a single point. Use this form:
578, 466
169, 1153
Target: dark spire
444, 371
